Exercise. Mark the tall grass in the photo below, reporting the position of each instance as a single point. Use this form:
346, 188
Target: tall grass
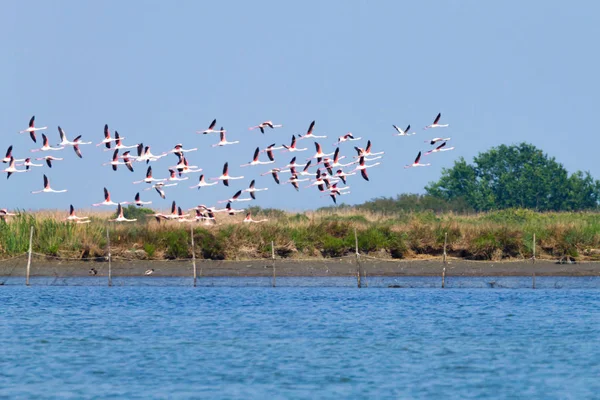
327, 233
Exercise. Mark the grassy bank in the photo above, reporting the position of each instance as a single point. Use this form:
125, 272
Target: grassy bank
488, 236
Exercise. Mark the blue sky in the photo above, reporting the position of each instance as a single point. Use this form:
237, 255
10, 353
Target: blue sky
156, 71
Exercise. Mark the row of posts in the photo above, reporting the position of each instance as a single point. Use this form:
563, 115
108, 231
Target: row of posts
359, 271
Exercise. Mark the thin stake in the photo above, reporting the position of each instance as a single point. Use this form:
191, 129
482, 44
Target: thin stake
193, 254
29, 256
109, 259
533, 260
533, 248
444, 277
273, 260
357, 260
444, 260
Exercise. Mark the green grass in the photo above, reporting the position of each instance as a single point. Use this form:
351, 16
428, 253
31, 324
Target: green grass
329, 233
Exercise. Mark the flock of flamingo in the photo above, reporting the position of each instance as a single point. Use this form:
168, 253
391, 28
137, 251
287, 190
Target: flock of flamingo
329, 172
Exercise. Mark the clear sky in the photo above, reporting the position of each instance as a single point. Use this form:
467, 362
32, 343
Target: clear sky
157, 71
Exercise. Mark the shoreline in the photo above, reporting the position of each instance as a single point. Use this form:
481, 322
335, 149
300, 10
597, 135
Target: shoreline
299, 268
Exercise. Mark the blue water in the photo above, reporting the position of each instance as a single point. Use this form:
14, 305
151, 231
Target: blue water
135, 341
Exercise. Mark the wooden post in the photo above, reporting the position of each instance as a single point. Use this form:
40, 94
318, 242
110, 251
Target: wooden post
109, 260
193, 254
273, 260
533, 261
444, 260
357, 260
29, 256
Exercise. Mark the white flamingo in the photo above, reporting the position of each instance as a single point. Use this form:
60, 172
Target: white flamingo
441, 147
225, 176
252, 189
292, 146
46, 146
362, 167
416, 163
107, 201
120, 217
264, 125
47, 188
211, 128
12, 169
32, 129
345, 138
248, 219
74, 218
255, 160
202, 183
436, 123
223, 141
310, 134
403, 132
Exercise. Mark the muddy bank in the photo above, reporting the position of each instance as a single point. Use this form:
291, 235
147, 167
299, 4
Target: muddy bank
298, 268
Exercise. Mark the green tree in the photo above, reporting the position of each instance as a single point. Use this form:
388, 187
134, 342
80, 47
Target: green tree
516, 176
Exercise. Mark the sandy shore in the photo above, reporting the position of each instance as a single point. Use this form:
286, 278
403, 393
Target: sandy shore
337, 267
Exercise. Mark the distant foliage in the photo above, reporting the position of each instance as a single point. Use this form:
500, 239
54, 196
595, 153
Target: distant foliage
134, 212
517, 176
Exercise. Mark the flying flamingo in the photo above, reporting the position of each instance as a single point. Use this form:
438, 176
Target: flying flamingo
32, 129
120, 217
403, 132
437, 139
211, 128
173, 176
119, 143
158, 186
138, 201
264, 125
28, 164
47, 188
249, 219
149, 178
441, 147
144, 154
46, 146
223, 141
11, 168
207, 216
115, 161
187, 168
127, 160
107, 201
75, 218
235, 197
335, 191
49, 160
203, 183
292, 146
305, 172
294, 181
319, 154
4, 213
362, 167
309, 133
269, 150
320, 180
275, 173
293, 164
255, 160
107, 139
367, 152
232, 211
9, 156
251, 189
179, 150
225, 176
436, 123
66, 142
345, 138
335, 162
342, 175
416, 163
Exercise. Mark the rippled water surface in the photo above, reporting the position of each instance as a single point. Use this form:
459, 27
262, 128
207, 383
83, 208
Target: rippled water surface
231, 341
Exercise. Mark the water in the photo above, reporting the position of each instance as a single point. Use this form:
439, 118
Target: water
231, 341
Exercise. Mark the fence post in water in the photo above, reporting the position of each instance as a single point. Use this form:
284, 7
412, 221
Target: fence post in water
444, 261
533, 260
193, 254
357, 260
29, 256
273, 260
109, 260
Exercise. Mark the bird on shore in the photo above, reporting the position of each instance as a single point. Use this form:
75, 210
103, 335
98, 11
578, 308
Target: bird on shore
149, 271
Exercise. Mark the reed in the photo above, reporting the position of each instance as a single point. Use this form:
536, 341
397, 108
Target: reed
505, 234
